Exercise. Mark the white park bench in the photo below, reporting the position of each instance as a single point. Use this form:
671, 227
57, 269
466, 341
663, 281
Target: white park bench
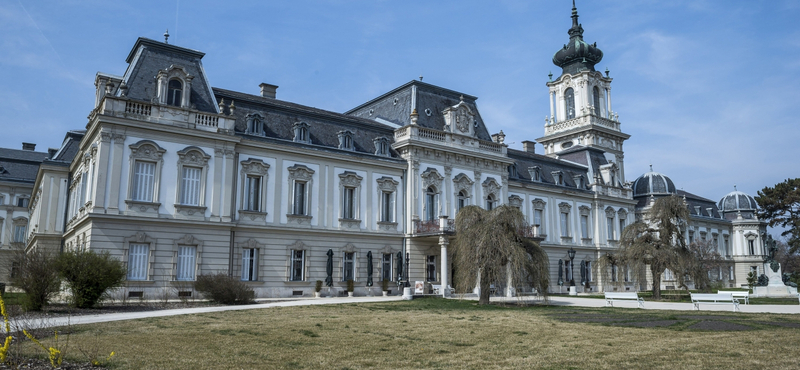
710, 298
737, 294
631, 296
437, 289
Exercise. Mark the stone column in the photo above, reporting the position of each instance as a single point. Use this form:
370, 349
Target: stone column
116, 170
448, 186
230, 170
552, 95
478, 193
216, 189
101, 176
445, 271
608, 93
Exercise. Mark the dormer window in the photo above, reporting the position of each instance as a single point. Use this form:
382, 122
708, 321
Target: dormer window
174, 92
301, 134
578, 181
255, 125
512, 171
536, 173
381, 146
558, 177
346, 140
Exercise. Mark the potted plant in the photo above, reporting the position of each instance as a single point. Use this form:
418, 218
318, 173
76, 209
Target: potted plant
385, 287
350, 288
317, 288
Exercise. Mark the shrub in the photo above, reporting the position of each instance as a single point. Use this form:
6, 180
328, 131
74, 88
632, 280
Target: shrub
223, 289
385, 285
350, 285
318, 286
89, 275
37, 275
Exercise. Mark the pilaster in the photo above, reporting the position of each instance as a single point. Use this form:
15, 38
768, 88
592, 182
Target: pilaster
116, 171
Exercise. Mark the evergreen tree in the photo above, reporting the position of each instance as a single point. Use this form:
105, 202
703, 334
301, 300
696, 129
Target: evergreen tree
780, 206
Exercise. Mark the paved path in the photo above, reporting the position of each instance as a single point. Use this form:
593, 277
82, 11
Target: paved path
558, 301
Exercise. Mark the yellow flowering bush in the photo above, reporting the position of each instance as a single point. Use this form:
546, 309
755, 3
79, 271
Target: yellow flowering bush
7, 342
54, 354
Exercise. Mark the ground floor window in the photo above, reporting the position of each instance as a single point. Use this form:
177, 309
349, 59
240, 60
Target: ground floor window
250, 264
137, 261
386, 267
298, 265
349, 266
185, 269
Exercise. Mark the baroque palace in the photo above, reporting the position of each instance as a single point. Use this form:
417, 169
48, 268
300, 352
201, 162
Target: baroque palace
177, 178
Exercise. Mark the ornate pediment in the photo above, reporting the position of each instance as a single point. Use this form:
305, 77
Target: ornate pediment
350, 179
193, 156
255, 167
146, 149
387, 184
584, 210
538, 203
300, 172
432, 177
490, 186
462, 182
610, 212
460, 119
564, 207
515, 201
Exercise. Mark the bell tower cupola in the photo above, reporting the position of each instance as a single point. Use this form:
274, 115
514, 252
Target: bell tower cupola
580, 102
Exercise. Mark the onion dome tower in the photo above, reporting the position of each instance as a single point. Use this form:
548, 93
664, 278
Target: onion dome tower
580, 102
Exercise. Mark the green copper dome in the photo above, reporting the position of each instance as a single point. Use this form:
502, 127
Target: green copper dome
577, 55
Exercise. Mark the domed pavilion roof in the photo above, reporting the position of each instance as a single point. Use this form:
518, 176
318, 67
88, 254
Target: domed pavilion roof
736, 201
653, 183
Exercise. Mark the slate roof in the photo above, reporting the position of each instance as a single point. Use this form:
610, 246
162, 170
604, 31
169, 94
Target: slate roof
523, 160
590, 157
69, 148
692, 201
396, 106
155, 56
279, 117
20, 165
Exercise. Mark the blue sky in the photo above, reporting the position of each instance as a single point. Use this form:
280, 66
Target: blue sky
705, 88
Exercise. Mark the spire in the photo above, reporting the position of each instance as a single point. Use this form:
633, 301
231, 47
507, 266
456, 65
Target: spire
166, 36
575, 23
577, 55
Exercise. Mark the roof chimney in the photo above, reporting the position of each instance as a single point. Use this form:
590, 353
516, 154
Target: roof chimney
268, 91
28, 146
529, 146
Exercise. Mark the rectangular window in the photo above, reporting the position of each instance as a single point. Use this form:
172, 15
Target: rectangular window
386, 267
186, 263
730, 272
348, 203
387, 207
190, 186
84, 182
299, 198
621, 226
691, 237
349, 266
430, 268
726, 245
589, 271
431, 204
537, 218
2, 200
144, 175
298, 265
252, 193
564, 224
250, 264
751, 246
627, 274
137, 261
610, 226
19, 233
584, 227
22, 202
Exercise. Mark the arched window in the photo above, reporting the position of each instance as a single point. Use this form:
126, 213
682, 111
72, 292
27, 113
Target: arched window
569, 97
596, 100
174, 91
463, 199
431, 204
491, 202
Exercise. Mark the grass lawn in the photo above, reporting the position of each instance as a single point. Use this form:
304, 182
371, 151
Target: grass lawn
437, 333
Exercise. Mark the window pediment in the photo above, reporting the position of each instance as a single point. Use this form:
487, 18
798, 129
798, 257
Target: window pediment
300, 172
564, 207
515, 201
538, 203
431, 177
350, 179
491, 187
462, 182
193, 156
147, 149
584, 210
387, 184
610, 212
254, 167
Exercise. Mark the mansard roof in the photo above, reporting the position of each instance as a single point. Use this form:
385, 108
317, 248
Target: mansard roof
20, 165
280, 116
524, 160
430, 101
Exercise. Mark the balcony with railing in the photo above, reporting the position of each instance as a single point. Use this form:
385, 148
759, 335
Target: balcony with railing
164, 114
413, 133
586, 119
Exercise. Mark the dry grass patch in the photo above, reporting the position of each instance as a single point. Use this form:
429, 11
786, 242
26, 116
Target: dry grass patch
437, 333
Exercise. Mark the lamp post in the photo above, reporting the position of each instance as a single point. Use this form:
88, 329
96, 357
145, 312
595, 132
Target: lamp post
571, 254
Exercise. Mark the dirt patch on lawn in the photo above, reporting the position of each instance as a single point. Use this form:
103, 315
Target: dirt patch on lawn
719, 326
647, 324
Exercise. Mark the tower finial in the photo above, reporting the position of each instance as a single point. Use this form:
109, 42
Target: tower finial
574, 15
734, 188
651, 168
166, 36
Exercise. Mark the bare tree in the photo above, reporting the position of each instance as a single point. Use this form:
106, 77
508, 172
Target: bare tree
698, 263
656, 241
491, 246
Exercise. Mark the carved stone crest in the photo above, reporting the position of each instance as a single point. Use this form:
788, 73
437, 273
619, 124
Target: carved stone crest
193, 156
491, 187
432, 177
462, 182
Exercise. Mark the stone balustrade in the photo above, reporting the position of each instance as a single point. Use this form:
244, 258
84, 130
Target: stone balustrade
422, 134
165, 114
584, 120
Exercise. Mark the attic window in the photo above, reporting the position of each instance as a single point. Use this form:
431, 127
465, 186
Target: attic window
346, 140
255, 125
558, 177
174, 92
428, 112
536, 173
512, 171
381, 146
578, 181
301, 134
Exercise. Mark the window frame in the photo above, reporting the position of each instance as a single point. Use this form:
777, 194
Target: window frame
431, 273
249, 269
301, 259
172, 99
390, 269
188, 240
301, 132
569, 103
353, 261
255, 169
141, 265
387, 185
300, 175
145, 151
564, 220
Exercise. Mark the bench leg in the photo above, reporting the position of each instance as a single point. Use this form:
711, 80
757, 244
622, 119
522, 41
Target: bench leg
609, 303
641, 303
736, 306
697, 306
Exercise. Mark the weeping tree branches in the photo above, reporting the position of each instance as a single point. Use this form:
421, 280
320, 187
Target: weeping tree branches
490, 246
656, 241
